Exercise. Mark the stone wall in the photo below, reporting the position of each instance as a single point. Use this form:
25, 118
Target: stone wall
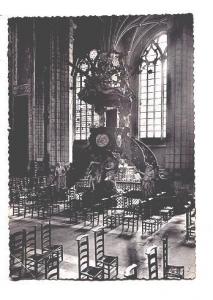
39, 54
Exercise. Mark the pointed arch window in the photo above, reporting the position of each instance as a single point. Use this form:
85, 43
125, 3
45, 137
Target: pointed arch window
84, 114
153, 89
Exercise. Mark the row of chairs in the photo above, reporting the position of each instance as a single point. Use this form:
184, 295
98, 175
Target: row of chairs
112, 218
20, 183
25, 261
42, 203
106, 267
127, 216
155, 222
41, 208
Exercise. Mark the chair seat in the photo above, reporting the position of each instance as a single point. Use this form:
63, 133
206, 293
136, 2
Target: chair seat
164, 210
92, 271
156, 218
128, 216
149, 221
175, 271
169, 207
106, 259
53, 247
36, 257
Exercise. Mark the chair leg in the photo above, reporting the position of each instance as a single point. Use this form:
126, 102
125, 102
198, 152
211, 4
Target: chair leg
32, 212
36, 269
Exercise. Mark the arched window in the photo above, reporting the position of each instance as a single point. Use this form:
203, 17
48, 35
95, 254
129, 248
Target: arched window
153, 89
84, 114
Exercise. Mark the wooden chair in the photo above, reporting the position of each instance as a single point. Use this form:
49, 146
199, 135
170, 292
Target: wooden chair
85, 270
46, 242
166, 214
143, 209
131, 272
52, 267
17, 246
118, 215
43, 209
91, 217
149, 226
108, 263
34, 262
169, 271
130, 219
158, 221
74, 211
152, 262
149, 207
171, 210
18, 206
29, 208
109, 219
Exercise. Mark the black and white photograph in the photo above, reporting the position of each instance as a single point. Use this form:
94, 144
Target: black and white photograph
101, 147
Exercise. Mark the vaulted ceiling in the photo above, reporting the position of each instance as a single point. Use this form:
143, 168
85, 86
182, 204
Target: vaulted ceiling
126, 34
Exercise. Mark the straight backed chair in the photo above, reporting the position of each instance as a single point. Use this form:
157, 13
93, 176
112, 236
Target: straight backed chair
74, 211
158, 221
166, 214
18, 206
43, 209
17, 246
149, 226
109, 219
46, 242
131, 272
34, 262
85, 270
152, 262
108, 263
171, 210
118, 215
91, 217
29, 207
52, 267
130, 219
170, 271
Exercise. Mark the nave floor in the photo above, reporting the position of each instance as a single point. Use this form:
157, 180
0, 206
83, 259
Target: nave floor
130, 248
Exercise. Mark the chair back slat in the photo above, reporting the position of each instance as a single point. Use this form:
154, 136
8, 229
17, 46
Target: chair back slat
83, 253
165, 254
45, 236
99, 243
30, 243
152, 262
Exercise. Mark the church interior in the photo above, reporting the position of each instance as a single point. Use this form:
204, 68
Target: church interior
101, 147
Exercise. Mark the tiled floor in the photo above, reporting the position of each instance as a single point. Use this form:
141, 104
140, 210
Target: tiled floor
130, 248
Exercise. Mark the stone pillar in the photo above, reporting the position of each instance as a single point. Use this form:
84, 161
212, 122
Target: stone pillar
59, 117
180, 109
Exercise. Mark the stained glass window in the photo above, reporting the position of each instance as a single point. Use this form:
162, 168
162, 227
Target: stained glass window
85, 116
153, 89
